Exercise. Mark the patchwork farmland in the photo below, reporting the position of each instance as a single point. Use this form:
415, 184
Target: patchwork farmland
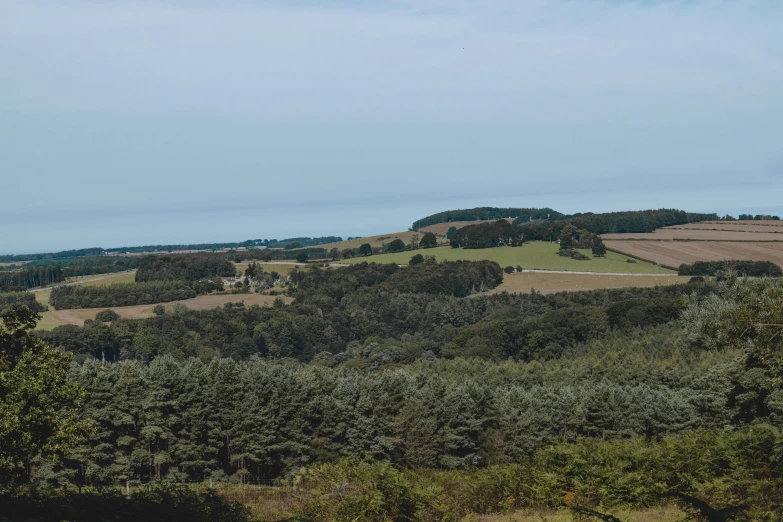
706, 241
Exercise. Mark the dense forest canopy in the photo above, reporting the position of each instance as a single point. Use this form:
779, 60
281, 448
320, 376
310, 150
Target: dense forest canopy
185, 267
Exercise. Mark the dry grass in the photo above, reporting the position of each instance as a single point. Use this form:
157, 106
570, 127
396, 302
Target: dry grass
77, 316
551, 283
280, 268
730, 227
675, 253
266, 503
279, 503
374, 241
442, 228
763, 223
659, 514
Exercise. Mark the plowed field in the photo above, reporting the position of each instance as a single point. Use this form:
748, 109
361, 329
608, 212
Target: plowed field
675, 253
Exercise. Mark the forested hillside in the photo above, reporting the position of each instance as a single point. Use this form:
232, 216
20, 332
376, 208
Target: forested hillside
421, 305
665, 400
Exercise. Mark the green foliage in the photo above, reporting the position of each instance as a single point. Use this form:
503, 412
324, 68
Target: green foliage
365, 249
107, 316
741, 268
184, 267
55, 255
151, 504
302, 257
744, 314
39, 413
8, 300
48, 272
613, 222
417, 259
398, 245
592, 476
429, 240
570, 253
487, 235
123, 294
487, 213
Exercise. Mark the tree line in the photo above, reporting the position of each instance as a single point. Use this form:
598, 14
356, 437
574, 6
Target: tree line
129, 294
44, 273
614, 222
741, 268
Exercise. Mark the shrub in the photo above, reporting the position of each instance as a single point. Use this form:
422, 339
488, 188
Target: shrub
107, 316
573, 254
415, 260
509, 269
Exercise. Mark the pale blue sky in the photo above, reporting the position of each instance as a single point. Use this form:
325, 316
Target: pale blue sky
128, 122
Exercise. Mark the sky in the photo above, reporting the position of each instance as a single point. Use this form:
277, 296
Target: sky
127, 122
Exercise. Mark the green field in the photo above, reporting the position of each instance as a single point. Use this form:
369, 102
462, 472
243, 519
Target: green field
539, 255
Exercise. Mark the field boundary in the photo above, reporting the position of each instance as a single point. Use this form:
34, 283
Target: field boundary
641, 259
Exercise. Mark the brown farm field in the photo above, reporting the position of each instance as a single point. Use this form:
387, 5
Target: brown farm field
675, 253
730, 227
690, 234
77, 316
548, 283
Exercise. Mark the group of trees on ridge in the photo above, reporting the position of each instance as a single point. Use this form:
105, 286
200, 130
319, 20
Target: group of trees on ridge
614, 222
549, 222
488, 213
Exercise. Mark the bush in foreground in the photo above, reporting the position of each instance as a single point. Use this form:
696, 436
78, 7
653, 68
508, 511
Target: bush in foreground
155, 504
